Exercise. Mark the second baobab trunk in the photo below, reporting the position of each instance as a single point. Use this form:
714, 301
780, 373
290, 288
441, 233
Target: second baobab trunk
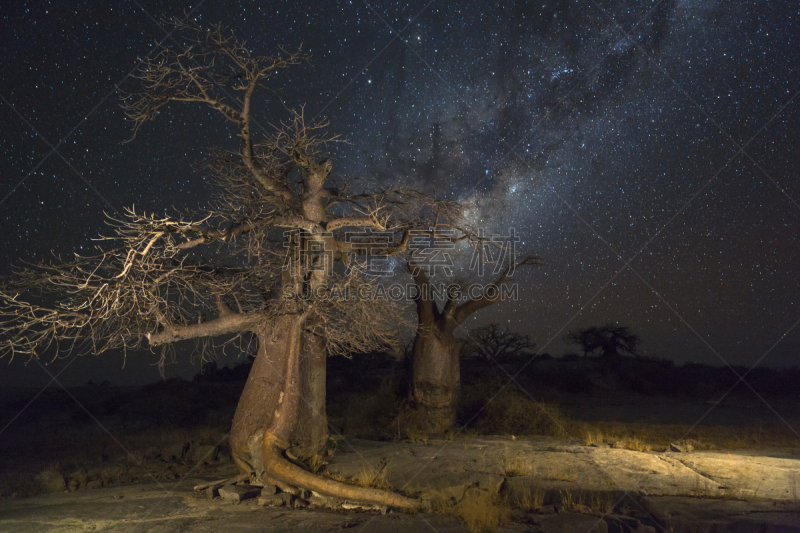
436, 371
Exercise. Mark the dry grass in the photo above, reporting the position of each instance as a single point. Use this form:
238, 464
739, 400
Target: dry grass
381, 415
511, 413
98, 452
368, 477
337, 477
418, 426
517, 466
371, 415
527, 499
18, 485
316, 463
481, 512
594, 504
593, 436
658, 437
554, 473
72, 446
572, 502
635, 444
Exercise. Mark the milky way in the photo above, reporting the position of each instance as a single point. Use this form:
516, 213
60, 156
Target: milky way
645, 151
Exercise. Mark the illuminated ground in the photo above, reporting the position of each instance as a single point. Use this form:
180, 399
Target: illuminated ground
580, 486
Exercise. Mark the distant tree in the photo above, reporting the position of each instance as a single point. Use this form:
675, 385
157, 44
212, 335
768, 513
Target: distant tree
611, 341
496, 342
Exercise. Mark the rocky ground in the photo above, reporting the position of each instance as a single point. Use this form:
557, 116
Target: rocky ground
552, 485
105, 458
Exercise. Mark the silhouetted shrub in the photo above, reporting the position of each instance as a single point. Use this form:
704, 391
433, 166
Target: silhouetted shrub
513, 413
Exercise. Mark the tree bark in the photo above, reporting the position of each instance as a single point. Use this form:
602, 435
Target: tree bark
285, 390
436, 375
282, 413
435, 369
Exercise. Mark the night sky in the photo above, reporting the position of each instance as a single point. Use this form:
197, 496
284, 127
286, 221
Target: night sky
645, 151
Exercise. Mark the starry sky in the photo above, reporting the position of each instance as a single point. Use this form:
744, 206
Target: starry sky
644, 150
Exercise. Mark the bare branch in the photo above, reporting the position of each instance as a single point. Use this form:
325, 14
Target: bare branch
157, 280
227, 323
473, 305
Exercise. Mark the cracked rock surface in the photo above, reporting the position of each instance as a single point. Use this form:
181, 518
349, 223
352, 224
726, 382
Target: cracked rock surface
648, 491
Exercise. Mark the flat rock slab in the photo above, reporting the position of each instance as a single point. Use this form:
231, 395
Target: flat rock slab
690, 515
146, 508
774, 478
550, 463
655, 486
150, 508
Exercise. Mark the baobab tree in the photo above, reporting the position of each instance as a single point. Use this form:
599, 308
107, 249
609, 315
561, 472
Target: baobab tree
435, 364
261, 264
612, 341
499, 343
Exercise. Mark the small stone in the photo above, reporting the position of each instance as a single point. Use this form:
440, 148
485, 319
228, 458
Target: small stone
52, 481
282, 499
359, 506
267, 501
78, 479
317, 500
238, 493
269, 490
299, 503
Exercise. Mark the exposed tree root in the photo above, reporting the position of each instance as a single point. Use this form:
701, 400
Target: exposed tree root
277, 466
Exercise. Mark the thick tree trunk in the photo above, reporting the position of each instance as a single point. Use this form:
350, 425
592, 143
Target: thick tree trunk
435, 376
282, 413
298, 397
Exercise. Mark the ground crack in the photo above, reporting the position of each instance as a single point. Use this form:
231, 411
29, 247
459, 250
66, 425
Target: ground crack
704, 476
